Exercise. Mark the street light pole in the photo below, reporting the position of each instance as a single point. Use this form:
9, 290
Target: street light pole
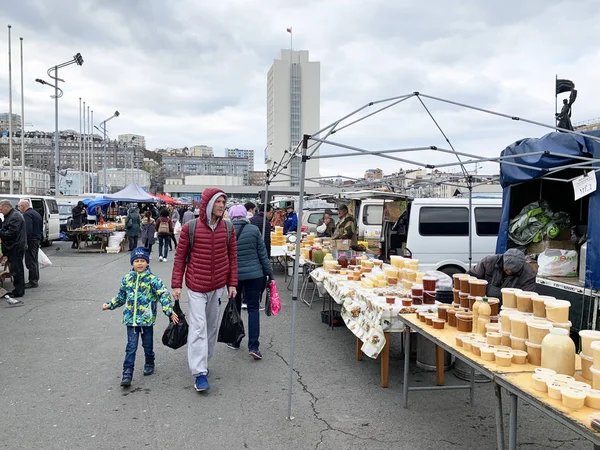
103, 124
77, 59
22, 126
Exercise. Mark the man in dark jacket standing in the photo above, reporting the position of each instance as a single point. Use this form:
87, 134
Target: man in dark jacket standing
505, 271
14, 241
257, 219
79, 216
34, 229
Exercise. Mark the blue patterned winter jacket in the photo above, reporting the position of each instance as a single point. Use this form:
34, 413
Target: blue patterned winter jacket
140, 292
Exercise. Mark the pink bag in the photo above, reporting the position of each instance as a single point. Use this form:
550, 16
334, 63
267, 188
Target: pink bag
275, 300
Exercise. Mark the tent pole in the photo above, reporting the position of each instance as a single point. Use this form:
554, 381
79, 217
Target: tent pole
470, 185
297, 269
265, 203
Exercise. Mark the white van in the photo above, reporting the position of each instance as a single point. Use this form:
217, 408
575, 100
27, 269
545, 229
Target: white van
47, 208
438, 232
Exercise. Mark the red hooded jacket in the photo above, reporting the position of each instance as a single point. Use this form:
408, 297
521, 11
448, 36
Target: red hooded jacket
211, 265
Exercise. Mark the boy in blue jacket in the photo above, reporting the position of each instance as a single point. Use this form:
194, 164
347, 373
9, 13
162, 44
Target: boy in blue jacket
139, 292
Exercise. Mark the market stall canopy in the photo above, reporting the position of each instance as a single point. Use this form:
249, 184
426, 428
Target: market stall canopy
553, 157
167, 199
132, 194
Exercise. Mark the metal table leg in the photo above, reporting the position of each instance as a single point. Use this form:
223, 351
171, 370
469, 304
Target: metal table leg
406, 364
512, 430
499, 418
472, 388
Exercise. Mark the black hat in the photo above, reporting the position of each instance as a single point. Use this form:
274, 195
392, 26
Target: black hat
343, 207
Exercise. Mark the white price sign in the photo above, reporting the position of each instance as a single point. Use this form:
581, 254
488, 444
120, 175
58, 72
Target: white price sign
584, 185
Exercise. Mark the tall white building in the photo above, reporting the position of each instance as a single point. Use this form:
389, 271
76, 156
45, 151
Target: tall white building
293, 109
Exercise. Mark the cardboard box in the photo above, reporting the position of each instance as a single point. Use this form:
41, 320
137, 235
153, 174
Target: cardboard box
340, 244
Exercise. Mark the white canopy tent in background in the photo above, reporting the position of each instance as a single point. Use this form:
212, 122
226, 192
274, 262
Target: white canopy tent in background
309, 145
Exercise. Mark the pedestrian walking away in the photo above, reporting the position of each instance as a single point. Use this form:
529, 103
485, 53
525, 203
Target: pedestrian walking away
34, 228
164, 230
140, 291
133, 224
14, 241
148, 232
207, 256
253, 267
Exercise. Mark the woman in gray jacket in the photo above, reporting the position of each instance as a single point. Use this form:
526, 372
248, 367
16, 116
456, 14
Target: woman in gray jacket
253, 267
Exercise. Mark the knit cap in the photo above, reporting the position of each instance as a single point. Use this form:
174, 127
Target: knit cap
138, 253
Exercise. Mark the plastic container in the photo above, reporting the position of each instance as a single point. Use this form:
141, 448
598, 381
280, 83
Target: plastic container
504, 359
451, 317
573, 398
537, 330
459, 339
494, 338
595, 378
586, 365
443, 312
465, 285
438, 324
596, 354
429, 297
477, 288
586, 338
534, 353
464, 300
505, 318
417, 290
505, 338
564, 326
407, 302
464, 322
392, 281
558, 352
509, 299
429, 319
544, 371
554, 388
562, 377
524, 302
558, 310
455, 297
494, 306
579, 385
540, 381
519, 357
488, 353
429, 283
592, 398
518, 326
539, 306
456, 279
467, 344
476, 348
518, 343
492, 327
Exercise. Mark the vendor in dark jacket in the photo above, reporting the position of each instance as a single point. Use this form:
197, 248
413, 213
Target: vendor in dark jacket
14, 241
34, 228
505, 271
257, 219
79, 217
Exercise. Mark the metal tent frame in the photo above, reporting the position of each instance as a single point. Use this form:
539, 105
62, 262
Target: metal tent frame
310, 144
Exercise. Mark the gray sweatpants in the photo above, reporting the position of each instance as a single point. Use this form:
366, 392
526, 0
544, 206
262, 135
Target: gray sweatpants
204, 309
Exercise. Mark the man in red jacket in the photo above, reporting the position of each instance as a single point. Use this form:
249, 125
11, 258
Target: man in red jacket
209, 266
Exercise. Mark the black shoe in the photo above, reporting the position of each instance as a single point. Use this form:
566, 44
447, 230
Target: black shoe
31, 285
148, 369
13, 294
127, 377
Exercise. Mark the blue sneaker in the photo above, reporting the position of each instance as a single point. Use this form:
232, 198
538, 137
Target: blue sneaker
255, 354
201, 383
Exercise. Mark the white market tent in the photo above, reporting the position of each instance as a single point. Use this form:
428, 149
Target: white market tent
132, 193
309, 145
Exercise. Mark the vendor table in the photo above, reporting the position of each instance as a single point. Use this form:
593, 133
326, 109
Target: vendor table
366, 315
516, 379
83, 236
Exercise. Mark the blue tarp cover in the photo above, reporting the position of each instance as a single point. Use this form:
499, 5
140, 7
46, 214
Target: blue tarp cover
565, 148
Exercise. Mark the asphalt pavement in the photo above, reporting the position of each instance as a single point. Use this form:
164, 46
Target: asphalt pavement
61, 360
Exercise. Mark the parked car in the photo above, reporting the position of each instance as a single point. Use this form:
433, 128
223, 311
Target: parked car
47, 208
65, 216
310, 217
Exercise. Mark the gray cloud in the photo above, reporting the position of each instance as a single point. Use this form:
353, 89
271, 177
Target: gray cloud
186, 72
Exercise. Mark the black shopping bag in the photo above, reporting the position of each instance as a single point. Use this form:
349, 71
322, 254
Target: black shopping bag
268, 301
175, 336
232, 327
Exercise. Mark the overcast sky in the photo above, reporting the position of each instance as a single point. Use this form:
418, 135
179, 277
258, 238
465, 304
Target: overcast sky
189, 72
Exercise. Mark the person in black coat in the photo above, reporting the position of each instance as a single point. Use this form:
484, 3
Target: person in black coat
257, 219
34, 229
14, 241
79, 217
